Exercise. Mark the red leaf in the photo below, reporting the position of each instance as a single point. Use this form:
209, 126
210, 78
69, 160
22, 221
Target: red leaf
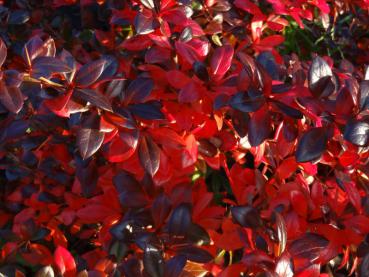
64, 261
221, 61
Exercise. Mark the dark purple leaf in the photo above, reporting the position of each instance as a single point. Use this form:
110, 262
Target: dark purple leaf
150, 110
246, 216
19, 17
311, 145
195, 254
131, 194
153, 261
149, 154
138, 90
115, 88
46, 66
89, 141
11, 98
174, 266
160, 209
197, 235
95, 98
201, 71
89, 73
243, 102
259, 127
289, 111
357, 132
180, 220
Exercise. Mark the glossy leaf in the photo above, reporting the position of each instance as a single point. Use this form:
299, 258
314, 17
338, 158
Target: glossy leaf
357, 132
320, 78
64, 261
221, 61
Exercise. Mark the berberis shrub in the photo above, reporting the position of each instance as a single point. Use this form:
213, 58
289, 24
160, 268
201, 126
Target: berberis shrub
171, 138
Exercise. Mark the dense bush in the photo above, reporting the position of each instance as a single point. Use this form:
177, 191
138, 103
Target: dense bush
184, 138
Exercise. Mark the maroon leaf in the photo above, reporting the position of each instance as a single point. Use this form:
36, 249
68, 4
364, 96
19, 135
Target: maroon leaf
221, 61
89, 141
149, 154
89, 73
11, 98
45, 66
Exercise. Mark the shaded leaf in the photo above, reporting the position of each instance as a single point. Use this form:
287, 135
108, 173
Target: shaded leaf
145, 24
153, 261
311, 145
195, 254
